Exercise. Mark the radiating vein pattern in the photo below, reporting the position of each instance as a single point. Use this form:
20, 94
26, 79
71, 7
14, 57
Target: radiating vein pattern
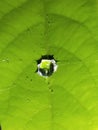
66, 29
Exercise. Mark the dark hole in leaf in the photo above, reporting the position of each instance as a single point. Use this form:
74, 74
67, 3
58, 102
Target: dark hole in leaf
48, 57
46, 65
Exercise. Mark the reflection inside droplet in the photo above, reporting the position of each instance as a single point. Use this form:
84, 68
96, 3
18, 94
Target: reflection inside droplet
46, 66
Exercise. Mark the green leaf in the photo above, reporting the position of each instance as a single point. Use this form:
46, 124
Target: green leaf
67, 29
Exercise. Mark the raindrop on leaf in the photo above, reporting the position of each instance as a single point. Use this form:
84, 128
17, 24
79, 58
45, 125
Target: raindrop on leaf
46, 65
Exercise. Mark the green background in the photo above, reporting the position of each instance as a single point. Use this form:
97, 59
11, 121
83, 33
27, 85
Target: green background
67, 29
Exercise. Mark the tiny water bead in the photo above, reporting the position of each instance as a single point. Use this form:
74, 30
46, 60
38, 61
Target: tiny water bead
46, 65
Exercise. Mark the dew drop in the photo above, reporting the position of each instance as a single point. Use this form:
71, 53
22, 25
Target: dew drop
46, 65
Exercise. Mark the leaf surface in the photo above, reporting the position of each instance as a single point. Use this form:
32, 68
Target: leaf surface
68, 100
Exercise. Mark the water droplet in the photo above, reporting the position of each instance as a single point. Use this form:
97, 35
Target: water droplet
46, 65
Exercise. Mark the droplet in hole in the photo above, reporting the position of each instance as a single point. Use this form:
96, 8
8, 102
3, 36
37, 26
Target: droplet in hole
46, 65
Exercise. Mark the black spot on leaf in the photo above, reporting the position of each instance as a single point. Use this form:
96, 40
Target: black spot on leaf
27, 77
48, 82
52, 90
31, 80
